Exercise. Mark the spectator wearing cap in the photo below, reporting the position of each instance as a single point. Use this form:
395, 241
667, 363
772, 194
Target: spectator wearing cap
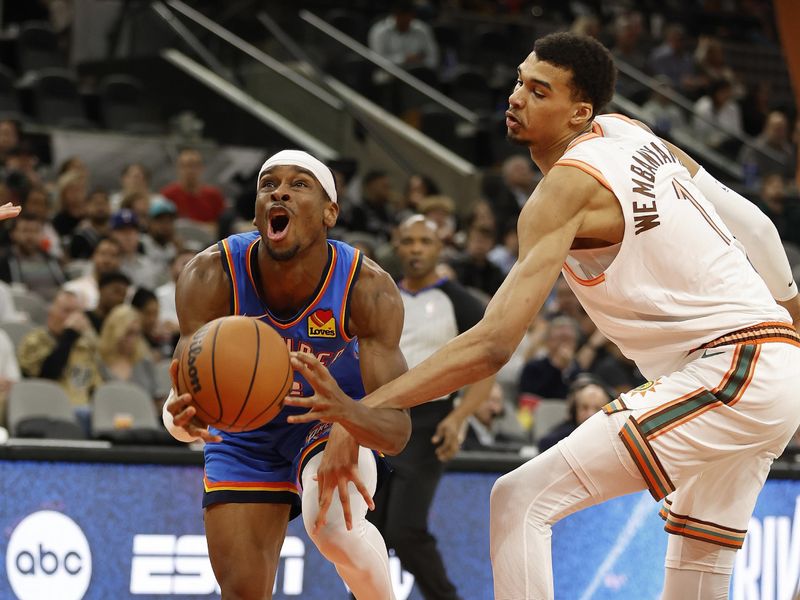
112, 289
72, 195
194, 199
104, 259
159, 243
142, 270
25, 262
93, 228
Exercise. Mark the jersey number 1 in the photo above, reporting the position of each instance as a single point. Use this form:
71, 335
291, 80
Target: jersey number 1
682, 193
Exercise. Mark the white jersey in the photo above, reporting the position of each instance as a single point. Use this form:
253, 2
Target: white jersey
679, 278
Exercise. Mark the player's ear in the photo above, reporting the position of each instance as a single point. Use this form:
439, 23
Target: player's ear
330, 214
582, 114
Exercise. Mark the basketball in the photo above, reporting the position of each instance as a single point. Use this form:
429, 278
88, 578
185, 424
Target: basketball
238, 372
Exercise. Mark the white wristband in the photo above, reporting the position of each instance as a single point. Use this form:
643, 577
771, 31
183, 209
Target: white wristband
179, 433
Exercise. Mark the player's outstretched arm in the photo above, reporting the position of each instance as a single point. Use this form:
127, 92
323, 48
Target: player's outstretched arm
376, 318
549, 223
202, 294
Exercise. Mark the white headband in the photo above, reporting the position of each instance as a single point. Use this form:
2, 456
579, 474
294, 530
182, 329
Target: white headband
298, 158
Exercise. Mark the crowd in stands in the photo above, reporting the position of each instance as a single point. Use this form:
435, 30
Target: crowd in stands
105, 261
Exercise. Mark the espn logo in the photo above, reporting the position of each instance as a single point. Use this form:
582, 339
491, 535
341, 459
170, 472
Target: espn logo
322, 324
176, 565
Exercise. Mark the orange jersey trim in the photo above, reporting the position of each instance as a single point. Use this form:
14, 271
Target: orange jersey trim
249, 486
232, 272
346, 296
586, 168
310, 448
587, 282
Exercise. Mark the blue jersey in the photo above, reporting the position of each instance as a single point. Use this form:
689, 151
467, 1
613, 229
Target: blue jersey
320, 327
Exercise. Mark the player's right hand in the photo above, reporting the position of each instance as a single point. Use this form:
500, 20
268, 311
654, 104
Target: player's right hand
184, 412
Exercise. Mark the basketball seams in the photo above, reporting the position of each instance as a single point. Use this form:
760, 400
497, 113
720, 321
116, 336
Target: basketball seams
281, 394
214, 372
252, 378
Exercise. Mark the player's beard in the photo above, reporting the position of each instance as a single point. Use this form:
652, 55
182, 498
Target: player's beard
516, 140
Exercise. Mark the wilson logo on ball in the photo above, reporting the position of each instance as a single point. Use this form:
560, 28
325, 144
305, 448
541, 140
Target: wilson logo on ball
322, 324
195, 347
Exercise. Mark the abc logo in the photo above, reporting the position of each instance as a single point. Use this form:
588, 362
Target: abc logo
48, 557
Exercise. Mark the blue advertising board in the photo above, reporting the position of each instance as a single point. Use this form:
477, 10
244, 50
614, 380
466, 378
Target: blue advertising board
73, 531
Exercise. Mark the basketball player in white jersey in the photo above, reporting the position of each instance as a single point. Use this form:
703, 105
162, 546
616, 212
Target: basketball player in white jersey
649, 249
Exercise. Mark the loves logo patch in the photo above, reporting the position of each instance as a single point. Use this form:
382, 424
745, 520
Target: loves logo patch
322, 324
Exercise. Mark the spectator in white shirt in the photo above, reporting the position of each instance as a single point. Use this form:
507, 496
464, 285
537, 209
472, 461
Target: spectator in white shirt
721, 117
104, 259
404, 39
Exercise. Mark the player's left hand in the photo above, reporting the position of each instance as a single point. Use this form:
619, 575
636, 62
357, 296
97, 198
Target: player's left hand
449, 436
338, 468
329, 403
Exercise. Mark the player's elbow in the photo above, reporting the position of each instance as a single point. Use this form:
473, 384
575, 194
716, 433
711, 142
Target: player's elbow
496, 353
402, 433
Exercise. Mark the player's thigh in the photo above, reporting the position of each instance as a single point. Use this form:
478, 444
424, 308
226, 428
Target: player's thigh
244, 545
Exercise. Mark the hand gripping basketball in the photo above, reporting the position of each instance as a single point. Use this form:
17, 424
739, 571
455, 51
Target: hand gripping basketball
184, 413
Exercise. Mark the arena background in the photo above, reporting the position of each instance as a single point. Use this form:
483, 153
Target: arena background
116, 82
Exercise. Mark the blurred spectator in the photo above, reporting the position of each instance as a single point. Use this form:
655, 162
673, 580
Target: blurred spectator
71, 203
660, 112
418, 187
93, 228
194, 199
711, 64
135, 178
774, 138
673, 59
36, 204
112, 288
159, 243
783, 211
585, 397
588, 25
64, 351
167, 312
616, 370
519, 179
442, 211
373, 215
139, 204
550, 375
473, 267
364, 242
23, 160
123, 352
482, 424
158, 338
25, 262
9, 137
628, 48
566, 303
104, 259
403, 39
9, 371
142, 270
504, 255
718, 118
74, 164
756, 107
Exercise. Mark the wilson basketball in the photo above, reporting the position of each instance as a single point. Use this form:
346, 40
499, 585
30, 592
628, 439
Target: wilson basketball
238, 372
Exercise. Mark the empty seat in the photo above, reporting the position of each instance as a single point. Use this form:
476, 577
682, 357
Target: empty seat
163, 378
17, 330
124, 413
9, 101
548, 414
56, 99
39, 408
37, 47
32, 305
123, 106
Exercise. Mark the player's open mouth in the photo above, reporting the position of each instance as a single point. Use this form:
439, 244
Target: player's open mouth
277, 224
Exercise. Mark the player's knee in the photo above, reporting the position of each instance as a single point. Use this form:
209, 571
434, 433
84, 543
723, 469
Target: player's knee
243, 584
502, 496
332, 540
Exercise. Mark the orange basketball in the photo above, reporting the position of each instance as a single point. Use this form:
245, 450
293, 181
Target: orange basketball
238, 372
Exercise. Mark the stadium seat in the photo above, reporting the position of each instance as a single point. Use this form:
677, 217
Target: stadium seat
123, 107
39, 408
17, 330
31, 304
56, 99
37, 47
124, 413
9, 101
163, 379
190, 231
548, 414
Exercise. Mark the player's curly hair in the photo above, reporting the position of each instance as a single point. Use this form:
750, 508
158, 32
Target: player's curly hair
593, 72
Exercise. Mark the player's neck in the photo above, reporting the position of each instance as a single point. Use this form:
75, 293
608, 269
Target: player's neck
287, 285
547, 156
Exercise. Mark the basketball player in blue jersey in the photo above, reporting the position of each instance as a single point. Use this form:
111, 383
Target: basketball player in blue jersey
324, 298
